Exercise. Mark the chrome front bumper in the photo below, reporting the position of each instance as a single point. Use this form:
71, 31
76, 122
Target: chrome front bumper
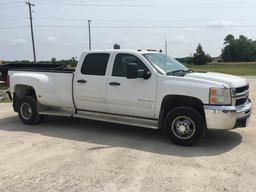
227, 117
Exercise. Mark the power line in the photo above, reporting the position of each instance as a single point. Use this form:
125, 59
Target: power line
144, 27
188, 5
13, 19
138, 20
158, 3
11, 3
170, 27
10, 7
128, 27
14, 27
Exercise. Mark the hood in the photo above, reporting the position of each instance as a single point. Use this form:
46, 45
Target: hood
227, 80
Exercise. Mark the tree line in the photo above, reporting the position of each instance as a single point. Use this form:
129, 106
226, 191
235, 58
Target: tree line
69, 63
241, 49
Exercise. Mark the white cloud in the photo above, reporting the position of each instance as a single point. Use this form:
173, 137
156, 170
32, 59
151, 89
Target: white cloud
209, 38
221, 23
19, 41
177, 39
109, 41
126, 39
65, 44
189, 29
51, 39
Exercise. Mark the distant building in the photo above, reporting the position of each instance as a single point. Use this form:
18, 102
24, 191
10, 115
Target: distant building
217, 59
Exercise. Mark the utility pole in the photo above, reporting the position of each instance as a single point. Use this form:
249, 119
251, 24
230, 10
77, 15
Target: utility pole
89, 28
31, 27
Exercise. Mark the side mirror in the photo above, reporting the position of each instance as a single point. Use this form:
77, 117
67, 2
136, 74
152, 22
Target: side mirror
146, 74
132, 71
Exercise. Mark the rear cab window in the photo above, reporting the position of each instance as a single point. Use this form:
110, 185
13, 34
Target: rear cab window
95, 64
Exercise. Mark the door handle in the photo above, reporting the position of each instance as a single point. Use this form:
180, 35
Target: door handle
114, 84
81, 81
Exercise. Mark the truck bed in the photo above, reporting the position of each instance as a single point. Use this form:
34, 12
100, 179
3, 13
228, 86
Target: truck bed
56, 68
54, 88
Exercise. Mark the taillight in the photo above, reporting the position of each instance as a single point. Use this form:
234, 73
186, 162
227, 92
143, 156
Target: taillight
8, 80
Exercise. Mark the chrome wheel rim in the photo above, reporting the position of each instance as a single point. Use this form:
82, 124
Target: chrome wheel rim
26, 111
183, 127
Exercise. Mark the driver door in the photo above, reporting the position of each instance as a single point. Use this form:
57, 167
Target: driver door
133, 97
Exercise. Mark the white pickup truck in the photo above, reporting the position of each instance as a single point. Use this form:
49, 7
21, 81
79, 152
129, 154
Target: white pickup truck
139, 88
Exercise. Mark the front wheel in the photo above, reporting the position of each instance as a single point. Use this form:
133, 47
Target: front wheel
28, 112
184, 126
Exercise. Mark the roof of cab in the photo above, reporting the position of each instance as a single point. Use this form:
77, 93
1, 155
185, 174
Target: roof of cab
122, 51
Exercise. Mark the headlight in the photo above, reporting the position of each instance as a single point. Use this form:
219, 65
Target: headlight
220, 96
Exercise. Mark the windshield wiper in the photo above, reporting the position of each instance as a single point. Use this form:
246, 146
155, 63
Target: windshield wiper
179, 71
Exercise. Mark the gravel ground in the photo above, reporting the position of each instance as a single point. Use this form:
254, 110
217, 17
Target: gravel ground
64, 154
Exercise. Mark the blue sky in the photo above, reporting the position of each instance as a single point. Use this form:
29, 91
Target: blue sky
61, 26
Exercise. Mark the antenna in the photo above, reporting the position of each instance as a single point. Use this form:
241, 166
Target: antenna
165, 45
89, 28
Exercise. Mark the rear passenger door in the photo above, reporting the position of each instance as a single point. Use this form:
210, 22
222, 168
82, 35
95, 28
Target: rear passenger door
90, 83
132, 97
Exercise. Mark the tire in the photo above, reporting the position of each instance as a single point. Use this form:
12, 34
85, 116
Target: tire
184, 126
28, 112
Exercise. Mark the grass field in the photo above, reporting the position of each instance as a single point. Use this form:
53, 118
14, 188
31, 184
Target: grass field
229, 68
3, 86
5, 101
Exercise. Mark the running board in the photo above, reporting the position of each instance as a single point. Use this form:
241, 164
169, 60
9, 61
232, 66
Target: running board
134, 121
106, 117
54, 111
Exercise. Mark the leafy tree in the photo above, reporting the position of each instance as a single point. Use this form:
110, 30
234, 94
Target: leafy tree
200, 58
185, 60
53, 60
71, 63
239, 50
229, 39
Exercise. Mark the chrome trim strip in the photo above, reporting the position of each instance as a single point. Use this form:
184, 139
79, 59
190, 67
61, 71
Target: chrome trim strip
237, 109
243, 94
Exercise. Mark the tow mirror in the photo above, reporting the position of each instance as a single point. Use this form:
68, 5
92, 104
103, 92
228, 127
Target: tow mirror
146, 74
132, 71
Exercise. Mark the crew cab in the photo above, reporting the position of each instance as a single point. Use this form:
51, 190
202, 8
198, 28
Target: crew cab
138, 88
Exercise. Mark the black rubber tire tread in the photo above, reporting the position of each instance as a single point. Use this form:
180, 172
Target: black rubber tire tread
200, 128
35, 118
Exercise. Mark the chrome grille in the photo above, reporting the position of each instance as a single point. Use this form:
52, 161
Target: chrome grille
240, 101
242, 89
240, 95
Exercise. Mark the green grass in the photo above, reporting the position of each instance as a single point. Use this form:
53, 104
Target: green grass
228, 68
3, 86
5, 101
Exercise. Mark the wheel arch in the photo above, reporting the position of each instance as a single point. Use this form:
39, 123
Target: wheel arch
170, 102
21, 91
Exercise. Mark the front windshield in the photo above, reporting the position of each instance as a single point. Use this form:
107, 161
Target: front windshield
165, 64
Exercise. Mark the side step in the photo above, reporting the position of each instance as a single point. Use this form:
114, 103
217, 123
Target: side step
127, 120
134, 121
57, 112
